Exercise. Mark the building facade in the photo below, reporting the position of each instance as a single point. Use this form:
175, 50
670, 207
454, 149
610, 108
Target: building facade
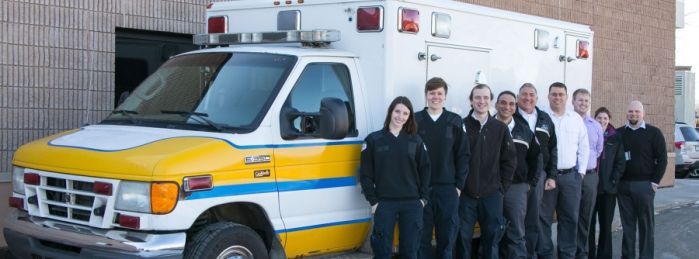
58, 58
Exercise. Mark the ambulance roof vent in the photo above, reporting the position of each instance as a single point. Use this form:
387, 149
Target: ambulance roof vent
313, 38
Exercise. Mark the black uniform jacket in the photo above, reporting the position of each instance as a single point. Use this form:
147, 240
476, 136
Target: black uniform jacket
493, 157
612, 162
546, 136
527, 153
394, 168
448, 147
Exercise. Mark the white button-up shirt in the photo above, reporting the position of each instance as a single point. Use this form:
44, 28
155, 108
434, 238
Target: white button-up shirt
573, 145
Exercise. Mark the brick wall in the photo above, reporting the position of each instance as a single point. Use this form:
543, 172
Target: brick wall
634, 51
57, 60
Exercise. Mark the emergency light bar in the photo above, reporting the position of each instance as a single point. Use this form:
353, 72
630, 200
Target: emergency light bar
314, 37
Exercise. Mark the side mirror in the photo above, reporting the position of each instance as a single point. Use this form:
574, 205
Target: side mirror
330, 122
334, 119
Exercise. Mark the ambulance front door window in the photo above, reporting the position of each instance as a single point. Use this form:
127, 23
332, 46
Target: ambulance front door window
318, 81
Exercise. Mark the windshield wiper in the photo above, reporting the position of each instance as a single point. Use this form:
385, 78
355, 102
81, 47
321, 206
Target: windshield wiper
199, 116
127, 114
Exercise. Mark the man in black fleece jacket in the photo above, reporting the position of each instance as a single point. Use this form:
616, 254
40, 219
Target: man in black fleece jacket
493, 161
525, 177
646, 160
446, 140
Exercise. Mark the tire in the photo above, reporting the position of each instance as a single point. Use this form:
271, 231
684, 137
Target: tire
225, 240
694, 173
681, 174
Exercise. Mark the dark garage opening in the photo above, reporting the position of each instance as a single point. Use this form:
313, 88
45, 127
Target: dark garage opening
139, 53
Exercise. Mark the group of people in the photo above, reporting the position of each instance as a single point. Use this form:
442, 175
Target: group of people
437, 174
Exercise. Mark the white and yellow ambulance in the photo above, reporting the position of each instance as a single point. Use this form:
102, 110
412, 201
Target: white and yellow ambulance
249, 147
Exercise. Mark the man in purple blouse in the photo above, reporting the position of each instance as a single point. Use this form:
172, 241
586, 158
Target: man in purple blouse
581, 104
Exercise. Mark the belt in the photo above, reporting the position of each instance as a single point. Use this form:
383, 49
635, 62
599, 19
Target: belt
565, 171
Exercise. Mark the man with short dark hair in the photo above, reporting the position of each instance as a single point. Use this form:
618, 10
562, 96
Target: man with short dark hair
646, 160
491, 167
445, 137
562, 193
513, 244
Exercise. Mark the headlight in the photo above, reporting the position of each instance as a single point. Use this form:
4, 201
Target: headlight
133, 196
18, 180
156, 197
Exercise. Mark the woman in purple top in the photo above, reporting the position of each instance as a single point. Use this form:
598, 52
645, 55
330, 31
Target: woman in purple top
611, 167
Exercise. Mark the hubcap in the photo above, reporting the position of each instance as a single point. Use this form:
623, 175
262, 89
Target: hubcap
694, 173
235, 252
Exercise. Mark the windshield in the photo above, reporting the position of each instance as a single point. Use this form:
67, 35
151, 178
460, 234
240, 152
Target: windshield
209, 91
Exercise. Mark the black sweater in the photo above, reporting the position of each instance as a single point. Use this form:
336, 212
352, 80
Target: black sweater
647, 150
493, 157
394, 168
527, 153
447, 143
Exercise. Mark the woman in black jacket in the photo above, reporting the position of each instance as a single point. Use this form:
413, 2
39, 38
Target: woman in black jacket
611, 167
395, 176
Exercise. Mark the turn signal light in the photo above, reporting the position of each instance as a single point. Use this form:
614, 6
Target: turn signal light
218, 24
408, 20
32, 179
197, 183
163, 197
129, 221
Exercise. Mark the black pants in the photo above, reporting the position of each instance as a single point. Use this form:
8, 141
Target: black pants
604, 210
637, 210
442, 214
409, 215
488, 212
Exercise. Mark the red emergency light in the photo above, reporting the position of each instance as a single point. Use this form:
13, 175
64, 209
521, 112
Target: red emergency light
218, 24
583, 52
102, 188
408, 20
370, 18
32, 179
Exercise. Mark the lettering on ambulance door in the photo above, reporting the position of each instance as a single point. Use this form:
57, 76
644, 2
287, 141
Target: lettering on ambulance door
462, 68
578, 68
320, 205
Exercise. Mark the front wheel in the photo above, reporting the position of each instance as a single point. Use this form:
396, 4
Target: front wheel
694, 172
226, 240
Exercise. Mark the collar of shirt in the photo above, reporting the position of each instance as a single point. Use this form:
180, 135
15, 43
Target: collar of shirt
483, 122
510, 125
642, 125
530, 117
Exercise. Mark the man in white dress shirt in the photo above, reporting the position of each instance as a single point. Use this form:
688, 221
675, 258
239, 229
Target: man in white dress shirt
562, 193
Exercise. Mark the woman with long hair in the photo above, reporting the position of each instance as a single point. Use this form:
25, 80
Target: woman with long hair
395, 175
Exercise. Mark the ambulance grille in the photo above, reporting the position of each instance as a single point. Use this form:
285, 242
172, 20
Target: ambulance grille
69, 198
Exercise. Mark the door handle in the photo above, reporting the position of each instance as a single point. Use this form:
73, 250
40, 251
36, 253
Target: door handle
434, 57
421, 56
562, 58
